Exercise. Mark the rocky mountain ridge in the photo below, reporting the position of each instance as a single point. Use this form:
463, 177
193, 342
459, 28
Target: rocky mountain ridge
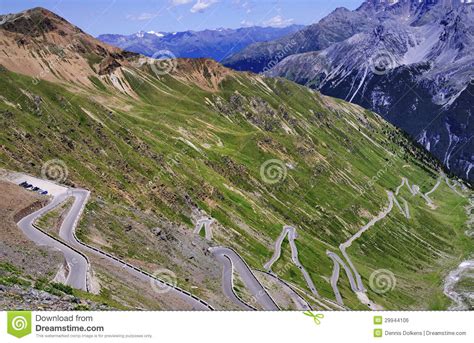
411, 61
216, 44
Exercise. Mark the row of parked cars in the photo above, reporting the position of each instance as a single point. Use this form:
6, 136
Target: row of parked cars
32, 188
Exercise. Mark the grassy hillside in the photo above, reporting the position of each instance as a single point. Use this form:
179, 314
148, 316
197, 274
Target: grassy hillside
201, 137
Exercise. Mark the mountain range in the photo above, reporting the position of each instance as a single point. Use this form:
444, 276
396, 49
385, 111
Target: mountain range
315, 196
216, 44
410, 61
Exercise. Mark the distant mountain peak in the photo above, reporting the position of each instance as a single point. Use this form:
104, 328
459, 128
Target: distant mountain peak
383, 4
43, 12
423, 46
211, 43
34, 22
157, 34
142, 34
46, 46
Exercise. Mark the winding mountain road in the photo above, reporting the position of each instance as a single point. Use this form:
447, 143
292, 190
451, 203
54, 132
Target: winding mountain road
77, 262
357, 285
348, 243
291, 232
403, 210
453, 187
79, 266
338, 262
206, 223
230, 261
300, 303
414, 190
427, 194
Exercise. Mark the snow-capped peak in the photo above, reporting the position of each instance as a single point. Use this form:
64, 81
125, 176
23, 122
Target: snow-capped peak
141, 34
157, 34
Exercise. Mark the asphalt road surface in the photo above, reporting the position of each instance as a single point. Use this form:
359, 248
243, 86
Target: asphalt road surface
78, 264
230, 261
291, 232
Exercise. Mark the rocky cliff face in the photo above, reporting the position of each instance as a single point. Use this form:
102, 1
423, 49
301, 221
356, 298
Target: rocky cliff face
413, 63
338, 26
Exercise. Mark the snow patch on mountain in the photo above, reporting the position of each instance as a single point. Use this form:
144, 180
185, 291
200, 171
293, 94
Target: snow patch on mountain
157, 34
423, 140
453, 142
425, 40
417, 52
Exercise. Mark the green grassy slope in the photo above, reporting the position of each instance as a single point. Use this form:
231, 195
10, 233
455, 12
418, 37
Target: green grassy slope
175, 143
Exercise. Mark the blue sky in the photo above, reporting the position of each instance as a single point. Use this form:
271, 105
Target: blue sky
125, 17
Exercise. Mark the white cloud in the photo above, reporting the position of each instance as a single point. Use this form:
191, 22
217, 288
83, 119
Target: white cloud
180, 2
142, 16
246, 23
243, 5
278, 21
202, 5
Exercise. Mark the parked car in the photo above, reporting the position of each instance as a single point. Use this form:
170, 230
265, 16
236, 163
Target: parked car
25, 185
44, 193
35, 189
